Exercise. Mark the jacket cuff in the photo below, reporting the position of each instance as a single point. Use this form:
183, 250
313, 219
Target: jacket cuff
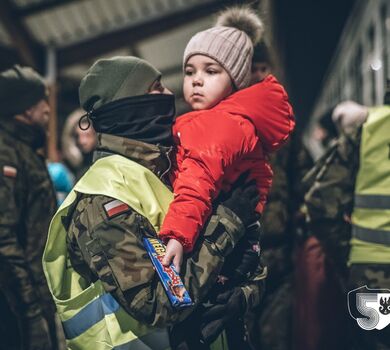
187, 245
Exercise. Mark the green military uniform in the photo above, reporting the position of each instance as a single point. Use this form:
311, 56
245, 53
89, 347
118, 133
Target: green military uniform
27, 203
271, 323
330, 203
329, 199
106, 246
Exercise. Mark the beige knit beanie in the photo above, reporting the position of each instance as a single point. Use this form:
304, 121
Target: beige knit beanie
230, 42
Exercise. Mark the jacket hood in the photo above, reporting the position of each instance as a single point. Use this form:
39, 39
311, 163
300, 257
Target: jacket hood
267, 106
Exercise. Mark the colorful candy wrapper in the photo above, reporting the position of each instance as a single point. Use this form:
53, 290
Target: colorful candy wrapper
170, 279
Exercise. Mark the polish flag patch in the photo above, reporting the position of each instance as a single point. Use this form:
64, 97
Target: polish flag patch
10, 171
115, 207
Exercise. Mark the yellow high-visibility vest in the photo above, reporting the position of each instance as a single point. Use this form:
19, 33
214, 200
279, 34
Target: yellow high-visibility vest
370, 241
92, 319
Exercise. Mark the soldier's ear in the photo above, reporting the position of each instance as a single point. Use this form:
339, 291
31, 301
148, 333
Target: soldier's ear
29, 112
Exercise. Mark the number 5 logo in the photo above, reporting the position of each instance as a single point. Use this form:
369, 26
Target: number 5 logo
365, 305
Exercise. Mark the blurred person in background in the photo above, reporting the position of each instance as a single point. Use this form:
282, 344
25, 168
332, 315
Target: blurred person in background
62, 178
78, 144
347, 207
261, 63
27, 204
270, 325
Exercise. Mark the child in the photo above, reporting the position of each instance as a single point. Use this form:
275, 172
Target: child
227, 133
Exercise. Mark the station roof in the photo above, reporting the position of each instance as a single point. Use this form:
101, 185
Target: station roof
79, 31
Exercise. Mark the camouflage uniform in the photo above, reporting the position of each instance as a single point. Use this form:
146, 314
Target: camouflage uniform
27, 204
109, 247
329, 199
270, 324
329, 204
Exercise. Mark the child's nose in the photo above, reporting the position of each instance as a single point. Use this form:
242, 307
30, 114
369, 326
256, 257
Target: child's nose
197, 80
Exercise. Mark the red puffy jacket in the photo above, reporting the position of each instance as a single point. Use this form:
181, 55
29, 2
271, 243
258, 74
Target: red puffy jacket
215, 146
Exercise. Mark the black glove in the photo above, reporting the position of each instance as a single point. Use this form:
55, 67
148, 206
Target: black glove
243, 202
242, 263
35, 334
249, 260
228, 306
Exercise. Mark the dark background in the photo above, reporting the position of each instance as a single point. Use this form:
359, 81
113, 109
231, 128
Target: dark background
308, 33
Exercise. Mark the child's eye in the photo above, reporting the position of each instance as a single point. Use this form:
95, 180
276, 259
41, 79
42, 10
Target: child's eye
212, 71
188, 72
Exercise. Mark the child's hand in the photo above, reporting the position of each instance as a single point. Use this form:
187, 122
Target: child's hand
173, 253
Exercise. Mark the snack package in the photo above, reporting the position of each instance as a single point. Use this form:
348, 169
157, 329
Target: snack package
170, 279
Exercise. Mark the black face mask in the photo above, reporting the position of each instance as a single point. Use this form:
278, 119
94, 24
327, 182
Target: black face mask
146, 118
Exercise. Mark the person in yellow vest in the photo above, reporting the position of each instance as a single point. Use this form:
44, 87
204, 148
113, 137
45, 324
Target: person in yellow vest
369, 257
105, 288
349, 205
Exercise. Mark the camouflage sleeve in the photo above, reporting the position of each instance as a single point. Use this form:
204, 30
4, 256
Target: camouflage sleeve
254, 288
110, 248
329, 199
15, 277
330, 195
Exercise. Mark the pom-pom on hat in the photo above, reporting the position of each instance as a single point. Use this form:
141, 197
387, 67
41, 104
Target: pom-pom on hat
230, 42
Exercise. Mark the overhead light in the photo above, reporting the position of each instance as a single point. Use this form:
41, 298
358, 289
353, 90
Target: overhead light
376, 64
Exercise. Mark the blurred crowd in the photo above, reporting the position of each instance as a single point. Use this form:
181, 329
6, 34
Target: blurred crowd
318, 241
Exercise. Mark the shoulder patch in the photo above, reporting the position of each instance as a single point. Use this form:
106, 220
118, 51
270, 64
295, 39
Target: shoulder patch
10, 171
115, 207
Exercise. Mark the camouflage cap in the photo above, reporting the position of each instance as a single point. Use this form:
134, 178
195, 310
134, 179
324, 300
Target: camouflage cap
115, 78
20, 89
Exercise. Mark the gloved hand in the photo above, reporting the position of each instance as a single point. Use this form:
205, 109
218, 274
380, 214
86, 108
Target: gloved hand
243, 201
250, 256
35, 334
228, 306
243, 262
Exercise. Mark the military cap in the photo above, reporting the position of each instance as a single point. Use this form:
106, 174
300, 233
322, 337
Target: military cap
20, 89
115, 78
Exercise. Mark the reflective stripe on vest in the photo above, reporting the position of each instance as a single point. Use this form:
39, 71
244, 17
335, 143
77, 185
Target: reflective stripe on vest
372, 201
370, 235
370, 241
92, 319
95, 311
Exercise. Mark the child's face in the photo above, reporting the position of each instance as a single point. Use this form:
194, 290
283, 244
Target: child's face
205, 82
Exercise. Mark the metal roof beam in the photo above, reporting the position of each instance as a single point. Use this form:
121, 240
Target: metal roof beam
131, 35
34, 8
29, 51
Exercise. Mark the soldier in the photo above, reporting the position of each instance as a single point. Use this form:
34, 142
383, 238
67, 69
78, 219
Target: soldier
347, 204
270, 324
97, 269
26, 207
77, 144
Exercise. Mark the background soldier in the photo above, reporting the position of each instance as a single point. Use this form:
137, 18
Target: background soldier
27, 203
270, 324
347, 199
